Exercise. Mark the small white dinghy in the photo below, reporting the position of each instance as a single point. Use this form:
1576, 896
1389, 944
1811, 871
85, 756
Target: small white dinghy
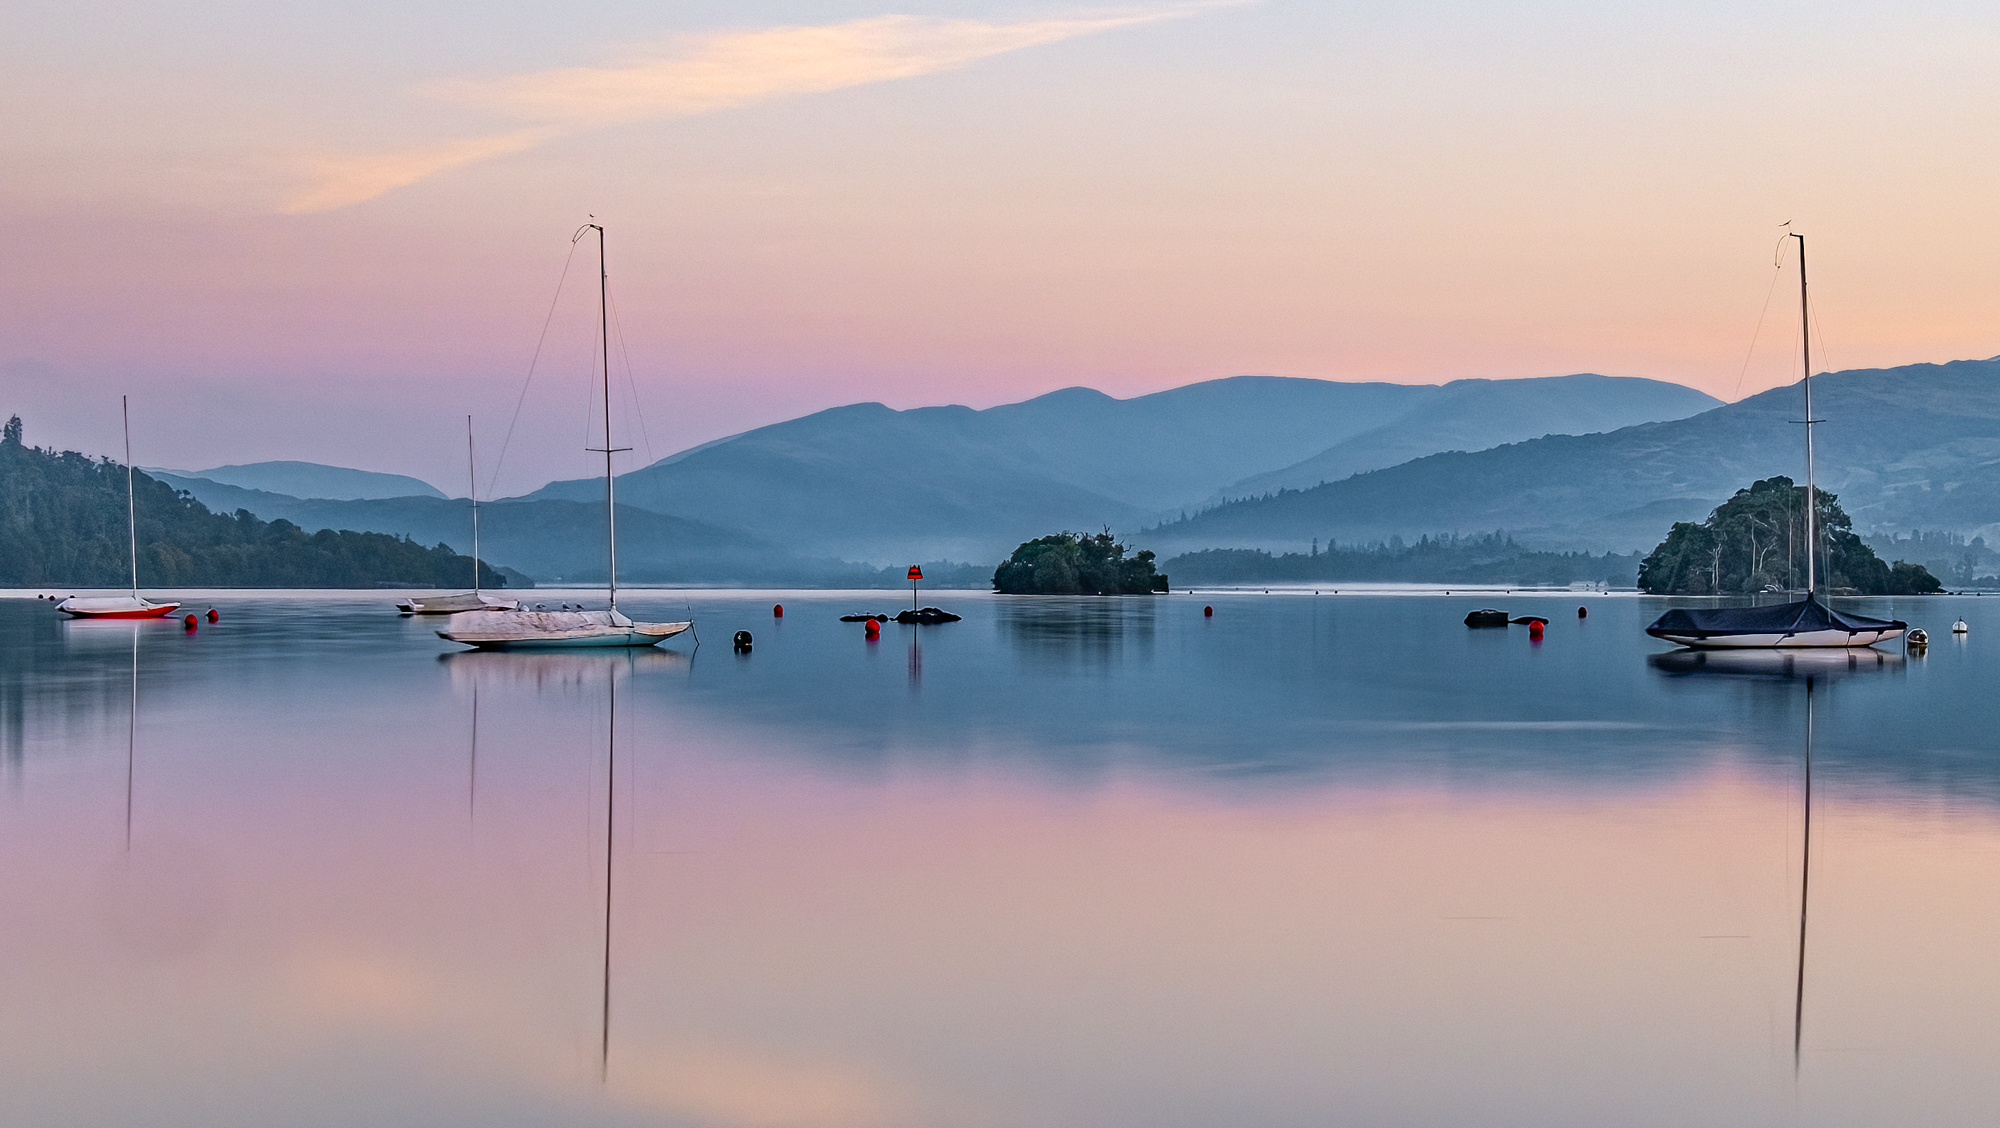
541, 630
453, 604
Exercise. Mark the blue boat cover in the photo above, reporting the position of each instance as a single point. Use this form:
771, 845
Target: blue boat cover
1808, 614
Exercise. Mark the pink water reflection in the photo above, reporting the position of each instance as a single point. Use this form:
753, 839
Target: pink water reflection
346, 916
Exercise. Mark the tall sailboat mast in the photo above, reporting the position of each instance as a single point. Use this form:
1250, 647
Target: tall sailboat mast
1805, 350
472, 476
604, 341
131, 508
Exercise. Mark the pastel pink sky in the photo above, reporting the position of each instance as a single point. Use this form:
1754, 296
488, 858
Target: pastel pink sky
329, 232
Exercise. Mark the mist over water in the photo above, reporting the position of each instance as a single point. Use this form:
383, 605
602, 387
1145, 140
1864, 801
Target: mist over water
1090, 861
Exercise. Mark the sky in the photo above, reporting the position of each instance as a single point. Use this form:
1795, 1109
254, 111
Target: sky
332, 231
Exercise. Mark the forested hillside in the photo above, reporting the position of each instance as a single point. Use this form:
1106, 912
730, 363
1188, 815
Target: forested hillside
63, 524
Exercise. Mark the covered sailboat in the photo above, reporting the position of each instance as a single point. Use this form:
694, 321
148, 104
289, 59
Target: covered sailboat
524, 629
133, 606
1805, 623
474, 600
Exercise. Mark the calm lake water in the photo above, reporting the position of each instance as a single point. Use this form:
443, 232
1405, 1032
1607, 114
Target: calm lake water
1069, 862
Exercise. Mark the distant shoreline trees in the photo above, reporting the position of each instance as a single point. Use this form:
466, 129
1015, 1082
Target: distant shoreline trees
63, 523
1069, 563
1757, 540
1488, 558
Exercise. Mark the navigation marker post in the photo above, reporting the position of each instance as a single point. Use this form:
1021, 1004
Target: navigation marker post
916, 576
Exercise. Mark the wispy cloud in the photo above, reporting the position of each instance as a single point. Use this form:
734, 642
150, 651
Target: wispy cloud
700, 74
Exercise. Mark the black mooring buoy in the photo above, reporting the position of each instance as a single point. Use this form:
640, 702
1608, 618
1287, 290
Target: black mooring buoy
742, 640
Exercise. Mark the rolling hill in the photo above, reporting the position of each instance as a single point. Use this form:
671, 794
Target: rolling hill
310, 479
549, 540
1915, 446
1480, 414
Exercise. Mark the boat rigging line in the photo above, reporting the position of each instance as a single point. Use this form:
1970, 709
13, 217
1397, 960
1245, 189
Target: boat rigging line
530, 379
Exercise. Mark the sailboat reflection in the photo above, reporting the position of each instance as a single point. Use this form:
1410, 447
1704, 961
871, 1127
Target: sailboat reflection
1805, 878
131, 738
552, 669
562, 671
1814, 667
1778, 664
610, 814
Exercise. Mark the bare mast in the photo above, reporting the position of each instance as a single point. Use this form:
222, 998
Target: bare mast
472, 476
604, 340
1812, 501
131, 509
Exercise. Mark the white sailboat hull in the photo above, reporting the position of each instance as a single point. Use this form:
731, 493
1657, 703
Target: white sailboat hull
453, 604
1805, 640
543, 630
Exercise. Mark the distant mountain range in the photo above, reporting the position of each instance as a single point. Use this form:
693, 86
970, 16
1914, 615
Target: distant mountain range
1916, 446
1567, 463
310, 479
866, 482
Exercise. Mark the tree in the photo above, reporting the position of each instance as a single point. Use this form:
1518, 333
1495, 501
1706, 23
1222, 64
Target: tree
1757, 540
1069, 563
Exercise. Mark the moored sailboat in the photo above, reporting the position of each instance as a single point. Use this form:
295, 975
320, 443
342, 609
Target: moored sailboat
522, 629
474, 600
1800, 624
134, 606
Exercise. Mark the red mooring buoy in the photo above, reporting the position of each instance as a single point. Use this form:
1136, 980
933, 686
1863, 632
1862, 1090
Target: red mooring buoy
1582, 612
1535, 631
777, 610
871, 629
1208, 612
189, 622
214, 615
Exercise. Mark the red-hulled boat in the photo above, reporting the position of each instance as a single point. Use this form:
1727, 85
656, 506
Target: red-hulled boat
132, 606
115, 607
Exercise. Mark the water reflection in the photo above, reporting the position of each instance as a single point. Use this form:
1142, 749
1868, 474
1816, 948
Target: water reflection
1281, 867
1062, 633
1805, 886
1782, 665
539, 670
131, 737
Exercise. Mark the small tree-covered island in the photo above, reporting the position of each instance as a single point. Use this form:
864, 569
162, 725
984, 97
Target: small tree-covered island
1757, 540
62, 523
1078, 564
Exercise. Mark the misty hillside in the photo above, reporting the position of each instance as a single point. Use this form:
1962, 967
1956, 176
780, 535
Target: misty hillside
870, 483
552, 541
64, 524
311, 479
1909, 447
1480, 414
